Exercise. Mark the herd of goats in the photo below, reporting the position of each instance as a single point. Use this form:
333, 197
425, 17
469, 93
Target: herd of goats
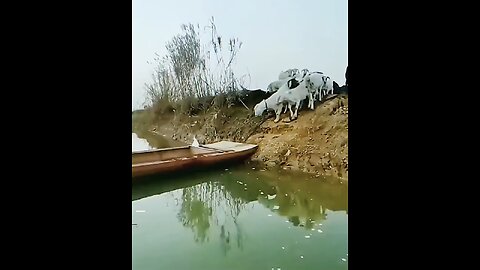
291, 88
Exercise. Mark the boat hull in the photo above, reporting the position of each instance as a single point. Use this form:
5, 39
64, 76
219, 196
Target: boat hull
200, 161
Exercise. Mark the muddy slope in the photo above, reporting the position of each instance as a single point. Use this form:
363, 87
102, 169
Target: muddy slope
317, 142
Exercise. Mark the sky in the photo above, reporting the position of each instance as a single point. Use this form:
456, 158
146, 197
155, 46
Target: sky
276, 35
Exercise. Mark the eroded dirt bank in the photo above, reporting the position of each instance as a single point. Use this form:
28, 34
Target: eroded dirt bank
317, 142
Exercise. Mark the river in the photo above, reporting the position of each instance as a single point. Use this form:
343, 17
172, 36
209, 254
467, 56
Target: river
238, 217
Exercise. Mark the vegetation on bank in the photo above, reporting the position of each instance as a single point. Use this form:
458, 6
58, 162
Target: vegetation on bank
195, 75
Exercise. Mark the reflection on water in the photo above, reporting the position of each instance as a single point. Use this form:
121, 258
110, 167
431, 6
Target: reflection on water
303, 200
264, 219
152, 140
209, 204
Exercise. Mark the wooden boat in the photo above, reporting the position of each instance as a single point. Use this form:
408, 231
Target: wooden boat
174, 159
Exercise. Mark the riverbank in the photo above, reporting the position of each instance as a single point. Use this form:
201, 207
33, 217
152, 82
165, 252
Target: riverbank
316, 143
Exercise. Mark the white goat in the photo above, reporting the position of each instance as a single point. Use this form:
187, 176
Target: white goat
302, 74
274, 86
275, 103
289, 73
316, 82
297, 91
321, 84
270, 103
327, 87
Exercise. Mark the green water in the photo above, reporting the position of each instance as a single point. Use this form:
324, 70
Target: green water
240, 218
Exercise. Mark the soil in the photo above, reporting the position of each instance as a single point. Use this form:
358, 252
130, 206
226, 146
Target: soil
316, 142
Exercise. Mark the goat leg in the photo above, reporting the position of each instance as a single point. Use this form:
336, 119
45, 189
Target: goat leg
277, 113
291, 112
313, 101
296, 110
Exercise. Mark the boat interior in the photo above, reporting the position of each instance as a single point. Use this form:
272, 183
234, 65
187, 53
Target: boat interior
169, 153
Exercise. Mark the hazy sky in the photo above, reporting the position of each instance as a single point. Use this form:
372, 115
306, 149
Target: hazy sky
276, 35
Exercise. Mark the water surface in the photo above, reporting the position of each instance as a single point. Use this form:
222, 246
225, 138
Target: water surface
147, 140
239, 218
